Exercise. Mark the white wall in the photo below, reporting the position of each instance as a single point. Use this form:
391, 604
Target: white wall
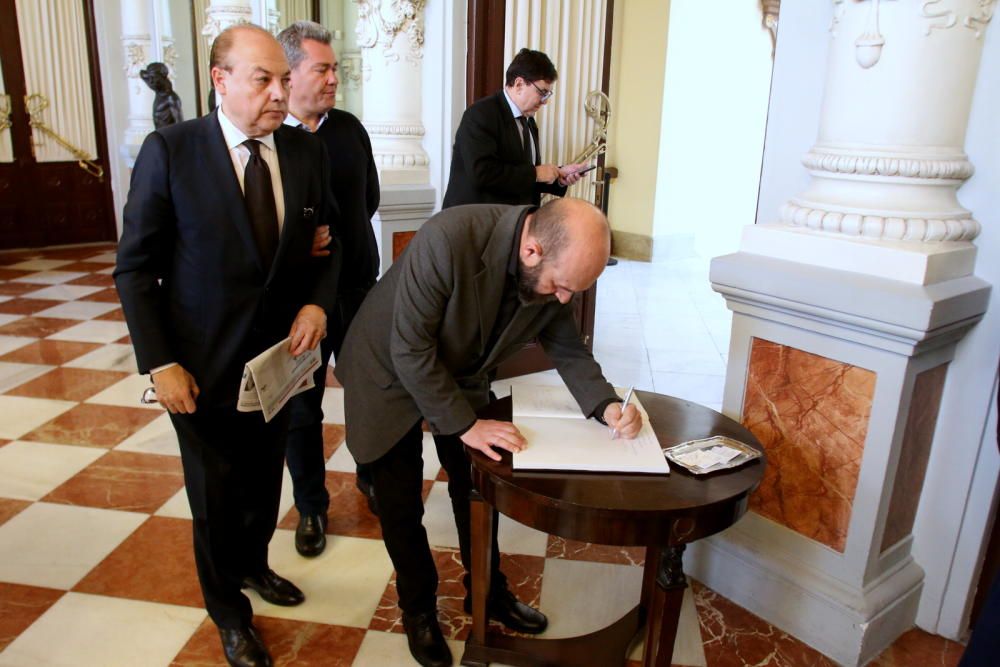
715, 97
954, 511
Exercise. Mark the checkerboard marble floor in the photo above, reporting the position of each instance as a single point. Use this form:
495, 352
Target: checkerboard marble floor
96, 564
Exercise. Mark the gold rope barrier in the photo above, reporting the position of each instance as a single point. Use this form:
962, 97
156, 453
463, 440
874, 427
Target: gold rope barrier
36, 103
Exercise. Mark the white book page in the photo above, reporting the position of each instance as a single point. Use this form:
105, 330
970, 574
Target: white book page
544, 401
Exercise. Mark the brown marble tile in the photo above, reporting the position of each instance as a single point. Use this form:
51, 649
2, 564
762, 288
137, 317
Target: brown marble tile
20, 606
109, 295
916, 452
124, 340
10, 274
26, 306
811, 414
68, 384
291, 643
442, 475
524, 576
331, 380
155, 563
93, 425
10, 507
127, 481
17, 289
559, 547
333, 438
733, 637
36, 327
81, 252
917, 647
3, 442
116, 315
50, 352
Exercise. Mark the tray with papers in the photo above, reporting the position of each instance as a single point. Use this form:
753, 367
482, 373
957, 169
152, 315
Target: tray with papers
561, 438
711, 454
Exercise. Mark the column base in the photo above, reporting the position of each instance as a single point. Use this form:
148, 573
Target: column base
849, 625
403, 209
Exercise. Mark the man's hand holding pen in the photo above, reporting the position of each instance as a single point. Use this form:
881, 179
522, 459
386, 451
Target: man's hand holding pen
624, 419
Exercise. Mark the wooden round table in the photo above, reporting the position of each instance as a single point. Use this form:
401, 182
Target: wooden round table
660, 512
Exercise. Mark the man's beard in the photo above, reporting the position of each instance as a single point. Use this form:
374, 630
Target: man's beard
527, 285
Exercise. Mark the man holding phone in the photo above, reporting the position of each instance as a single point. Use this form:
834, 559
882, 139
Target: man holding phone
496, 157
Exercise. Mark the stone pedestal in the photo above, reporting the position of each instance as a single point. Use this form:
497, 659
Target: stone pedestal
846, 314
401, 212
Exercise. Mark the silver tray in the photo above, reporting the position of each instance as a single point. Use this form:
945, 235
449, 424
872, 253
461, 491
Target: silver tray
748, 453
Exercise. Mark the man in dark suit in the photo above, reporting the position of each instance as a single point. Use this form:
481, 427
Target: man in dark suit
354, 182
219, 222
496, 158
472, 287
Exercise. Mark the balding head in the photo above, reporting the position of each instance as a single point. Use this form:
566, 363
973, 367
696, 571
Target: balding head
564, 248
250, 75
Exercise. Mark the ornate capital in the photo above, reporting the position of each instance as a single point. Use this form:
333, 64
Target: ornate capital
380, 21
220, 17
942, 18
136, 53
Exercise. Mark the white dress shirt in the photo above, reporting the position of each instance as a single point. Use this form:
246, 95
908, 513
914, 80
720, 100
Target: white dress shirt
240, 155
514, 109
295, 122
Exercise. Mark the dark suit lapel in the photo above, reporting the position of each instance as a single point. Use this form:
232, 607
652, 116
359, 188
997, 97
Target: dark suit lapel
221, 165
291, 184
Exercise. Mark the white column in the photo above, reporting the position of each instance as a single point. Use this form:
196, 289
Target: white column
847, 316
391, 39
146, 37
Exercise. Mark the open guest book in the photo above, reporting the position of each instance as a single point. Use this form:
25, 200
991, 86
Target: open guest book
560, 437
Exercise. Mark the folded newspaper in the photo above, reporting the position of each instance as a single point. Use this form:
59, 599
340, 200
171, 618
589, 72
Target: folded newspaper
274, 376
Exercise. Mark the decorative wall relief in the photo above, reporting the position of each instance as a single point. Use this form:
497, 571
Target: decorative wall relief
868, 46
811, 414
949, 18
380, 21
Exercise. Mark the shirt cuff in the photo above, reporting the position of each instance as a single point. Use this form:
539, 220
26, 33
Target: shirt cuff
598, 412
154, 371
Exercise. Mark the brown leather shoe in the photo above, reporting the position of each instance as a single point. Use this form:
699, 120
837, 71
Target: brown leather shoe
275, 589
244, 647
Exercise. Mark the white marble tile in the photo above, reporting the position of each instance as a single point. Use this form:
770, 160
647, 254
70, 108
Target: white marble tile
695, 361
20, 415
439, 520
50, 277
64, 293
82, 630
13, 374
39, 264
77, 310
626, 375
11, 343
108, 271
156, 437
689, 650
697, 388
341, 461
56, 545
7, 318
177, 507
30, 470
126, 393
333, 405
516, 538
104, 258
379, 649
111, 357
569, 589
343, 585
94, 331
5, 298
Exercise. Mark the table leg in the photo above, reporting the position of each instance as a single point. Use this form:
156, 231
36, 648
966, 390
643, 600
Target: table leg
481, 519
664, 607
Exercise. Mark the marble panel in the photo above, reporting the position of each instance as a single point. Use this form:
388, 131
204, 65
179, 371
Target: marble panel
811, 414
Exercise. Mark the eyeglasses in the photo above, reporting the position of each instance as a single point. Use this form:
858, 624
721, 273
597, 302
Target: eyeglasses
546, 94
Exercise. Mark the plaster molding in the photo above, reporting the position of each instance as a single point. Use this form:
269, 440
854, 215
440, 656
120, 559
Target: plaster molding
220, 17
380, 21
818, 159
977, 20
395, 129
880, 227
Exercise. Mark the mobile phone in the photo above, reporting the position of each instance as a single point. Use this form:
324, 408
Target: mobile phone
590, 168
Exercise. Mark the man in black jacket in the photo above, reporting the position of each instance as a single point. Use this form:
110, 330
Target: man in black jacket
220, 218
496, 158
354, 182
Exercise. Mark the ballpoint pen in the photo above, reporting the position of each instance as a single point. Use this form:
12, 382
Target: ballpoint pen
628, 397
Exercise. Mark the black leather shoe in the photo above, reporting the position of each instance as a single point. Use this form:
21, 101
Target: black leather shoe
276, 590
244, 647
427, 644
368, 491
310, 535
507, 609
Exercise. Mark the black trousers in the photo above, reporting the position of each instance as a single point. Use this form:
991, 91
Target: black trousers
232, 472
306, 461
397, 477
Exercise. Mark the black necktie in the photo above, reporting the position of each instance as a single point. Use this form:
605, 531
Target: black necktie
259, 196
526, 138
